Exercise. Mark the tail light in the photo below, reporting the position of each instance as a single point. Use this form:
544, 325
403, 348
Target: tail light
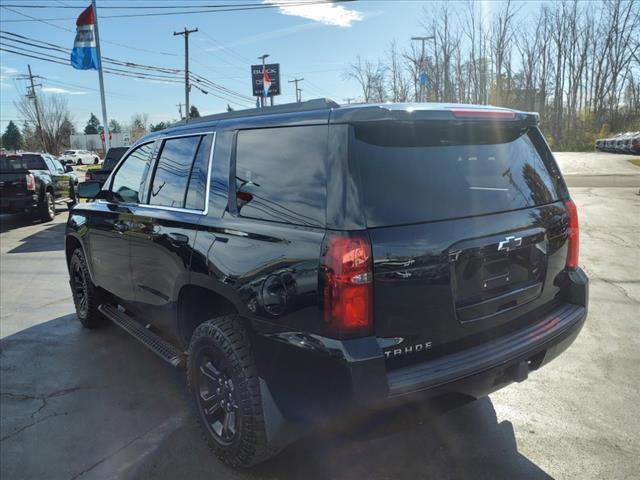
31, 182
347, 284
573, 236
88, 176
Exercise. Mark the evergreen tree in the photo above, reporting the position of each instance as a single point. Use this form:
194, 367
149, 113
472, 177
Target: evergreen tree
92, 125
12, 138
193, 112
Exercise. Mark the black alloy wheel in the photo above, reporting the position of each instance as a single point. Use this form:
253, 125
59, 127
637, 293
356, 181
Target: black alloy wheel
86, 296
79, 289
216, 397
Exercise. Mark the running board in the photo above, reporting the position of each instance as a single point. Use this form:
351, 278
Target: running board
156, 344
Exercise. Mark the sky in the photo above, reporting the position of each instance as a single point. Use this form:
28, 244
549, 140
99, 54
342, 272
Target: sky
317, 42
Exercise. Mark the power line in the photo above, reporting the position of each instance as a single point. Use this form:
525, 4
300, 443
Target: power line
35, 19
147, 7
191, 12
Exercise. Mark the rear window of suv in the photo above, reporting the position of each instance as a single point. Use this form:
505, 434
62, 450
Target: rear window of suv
411, 174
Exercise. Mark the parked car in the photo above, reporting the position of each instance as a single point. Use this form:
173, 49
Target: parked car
111, 159
80, 157
325, 259
634, 145
34, 183
600, 144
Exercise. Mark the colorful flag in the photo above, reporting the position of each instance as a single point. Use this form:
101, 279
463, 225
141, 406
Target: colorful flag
266, 82
84, 55
422, 75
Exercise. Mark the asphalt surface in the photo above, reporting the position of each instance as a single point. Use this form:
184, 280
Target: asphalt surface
96, 404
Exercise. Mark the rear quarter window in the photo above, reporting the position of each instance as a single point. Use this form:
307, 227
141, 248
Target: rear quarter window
281, 174
412, 174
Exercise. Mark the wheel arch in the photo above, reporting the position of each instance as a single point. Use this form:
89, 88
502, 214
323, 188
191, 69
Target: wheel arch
196, 305
71, 243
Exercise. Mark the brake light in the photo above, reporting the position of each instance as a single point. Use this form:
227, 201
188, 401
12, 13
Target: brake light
482, 113
573, 236
31, 182
347, 284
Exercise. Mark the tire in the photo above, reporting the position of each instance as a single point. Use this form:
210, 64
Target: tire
221, 369
47, 209
96, 160
79, 161
86, 296
73, 199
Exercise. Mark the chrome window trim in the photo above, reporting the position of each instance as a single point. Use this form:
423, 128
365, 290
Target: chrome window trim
208, 182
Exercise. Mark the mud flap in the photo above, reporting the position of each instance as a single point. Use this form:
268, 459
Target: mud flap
280, 431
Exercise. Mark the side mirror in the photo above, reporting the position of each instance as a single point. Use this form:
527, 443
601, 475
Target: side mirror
89, 190
68, 168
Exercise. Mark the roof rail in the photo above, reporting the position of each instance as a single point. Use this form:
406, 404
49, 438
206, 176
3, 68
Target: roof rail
315, 104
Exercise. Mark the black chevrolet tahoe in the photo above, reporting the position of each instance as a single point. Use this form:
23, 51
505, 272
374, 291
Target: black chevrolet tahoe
305, 261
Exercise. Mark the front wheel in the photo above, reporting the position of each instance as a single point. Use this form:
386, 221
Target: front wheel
86, 296
224, 383
96, 160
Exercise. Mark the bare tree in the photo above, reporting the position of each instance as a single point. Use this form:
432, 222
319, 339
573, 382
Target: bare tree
54, 118
576, 63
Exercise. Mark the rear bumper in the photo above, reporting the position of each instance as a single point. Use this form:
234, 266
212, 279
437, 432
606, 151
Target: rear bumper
484, 368
17, 204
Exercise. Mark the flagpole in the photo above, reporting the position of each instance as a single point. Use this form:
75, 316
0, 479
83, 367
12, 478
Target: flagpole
105, 121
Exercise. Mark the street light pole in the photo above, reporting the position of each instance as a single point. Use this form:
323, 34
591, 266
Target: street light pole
263, 57
423, 64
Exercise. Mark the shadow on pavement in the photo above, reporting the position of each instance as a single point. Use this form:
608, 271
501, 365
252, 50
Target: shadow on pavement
50, 239
95, 404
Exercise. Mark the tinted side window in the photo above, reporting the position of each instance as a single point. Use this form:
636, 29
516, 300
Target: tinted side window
50, 166
172, 171
198, 181
57, 165
281, 174
129, 179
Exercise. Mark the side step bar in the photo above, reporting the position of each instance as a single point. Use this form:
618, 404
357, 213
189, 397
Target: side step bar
158, 345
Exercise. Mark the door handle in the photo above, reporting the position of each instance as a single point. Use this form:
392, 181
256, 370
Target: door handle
121, 227
177, 238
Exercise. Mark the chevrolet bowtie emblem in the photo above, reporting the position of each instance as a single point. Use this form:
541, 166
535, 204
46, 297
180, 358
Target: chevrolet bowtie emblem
509, 243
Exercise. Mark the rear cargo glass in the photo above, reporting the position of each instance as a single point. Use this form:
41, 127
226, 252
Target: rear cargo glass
411, 174
23, 162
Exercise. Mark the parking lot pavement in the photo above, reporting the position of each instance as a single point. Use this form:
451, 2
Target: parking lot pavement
96, 404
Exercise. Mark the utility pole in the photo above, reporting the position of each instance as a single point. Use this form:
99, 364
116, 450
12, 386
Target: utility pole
298, 91
179, 105
186, 68
423, 81
31, 95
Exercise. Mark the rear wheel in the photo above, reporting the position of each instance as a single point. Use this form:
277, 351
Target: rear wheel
86, 296
47, 208
224, 383
96, 160
79, 161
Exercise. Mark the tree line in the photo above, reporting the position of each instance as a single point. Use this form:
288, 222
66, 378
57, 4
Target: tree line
49, 127
576, 63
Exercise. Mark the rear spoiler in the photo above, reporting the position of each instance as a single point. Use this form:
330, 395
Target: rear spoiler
456, 114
